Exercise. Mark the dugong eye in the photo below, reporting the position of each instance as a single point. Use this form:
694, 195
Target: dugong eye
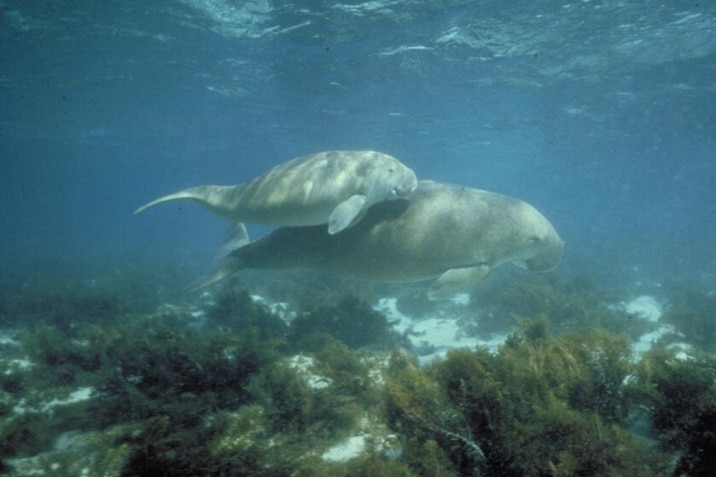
534, 239
391, 169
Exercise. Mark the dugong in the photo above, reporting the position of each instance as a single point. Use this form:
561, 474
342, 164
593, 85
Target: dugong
332, 187
455, 233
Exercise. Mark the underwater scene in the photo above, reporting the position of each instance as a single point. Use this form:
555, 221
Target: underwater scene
407, 238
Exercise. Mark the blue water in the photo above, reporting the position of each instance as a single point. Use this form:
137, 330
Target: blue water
599, 113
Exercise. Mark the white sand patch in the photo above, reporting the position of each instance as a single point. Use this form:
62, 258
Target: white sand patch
461, 299
355, 446
437, 335
345, 450
389, 308
305, 366
8, 339
441, 333
81, 394
645, 306
281, 309
494, 343
431, 338
682, 351
648, 340
16, 365
648, 308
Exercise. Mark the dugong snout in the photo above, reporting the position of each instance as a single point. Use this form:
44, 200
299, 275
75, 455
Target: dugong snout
548, 259
406, 186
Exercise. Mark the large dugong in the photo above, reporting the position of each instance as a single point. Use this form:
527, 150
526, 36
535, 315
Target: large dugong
332, 187
443, 230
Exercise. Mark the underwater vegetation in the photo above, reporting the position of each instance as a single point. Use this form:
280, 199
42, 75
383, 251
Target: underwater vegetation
350, 319
344, 316
150, 366
168, 386
63, 308
540, 406
693, 314
570, 304
66, 302
235, 389
680, 397
233, 309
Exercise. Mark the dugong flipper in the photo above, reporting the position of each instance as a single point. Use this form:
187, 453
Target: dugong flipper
455, 233
456, 280
333, 187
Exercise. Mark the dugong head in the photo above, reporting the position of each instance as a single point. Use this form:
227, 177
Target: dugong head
542, 247
406, 182
388, 175
548, 258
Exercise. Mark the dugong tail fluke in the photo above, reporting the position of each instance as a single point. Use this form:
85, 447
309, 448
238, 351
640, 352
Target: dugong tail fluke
215, 198
227, 266
235, 237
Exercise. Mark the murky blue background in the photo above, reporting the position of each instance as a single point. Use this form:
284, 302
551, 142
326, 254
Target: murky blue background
599, 113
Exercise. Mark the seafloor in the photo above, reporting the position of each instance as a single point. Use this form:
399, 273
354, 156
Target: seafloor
308, 375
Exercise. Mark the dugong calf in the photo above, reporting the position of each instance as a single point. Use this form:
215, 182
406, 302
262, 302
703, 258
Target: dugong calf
332, 187
443, 230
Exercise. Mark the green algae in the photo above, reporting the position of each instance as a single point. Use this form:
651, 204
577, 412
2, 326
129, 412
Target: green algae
182, 388
350, 319
64, 308
569, 304
235, 310
693, 314
319, 395
523, 411
680, 396
175, 395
